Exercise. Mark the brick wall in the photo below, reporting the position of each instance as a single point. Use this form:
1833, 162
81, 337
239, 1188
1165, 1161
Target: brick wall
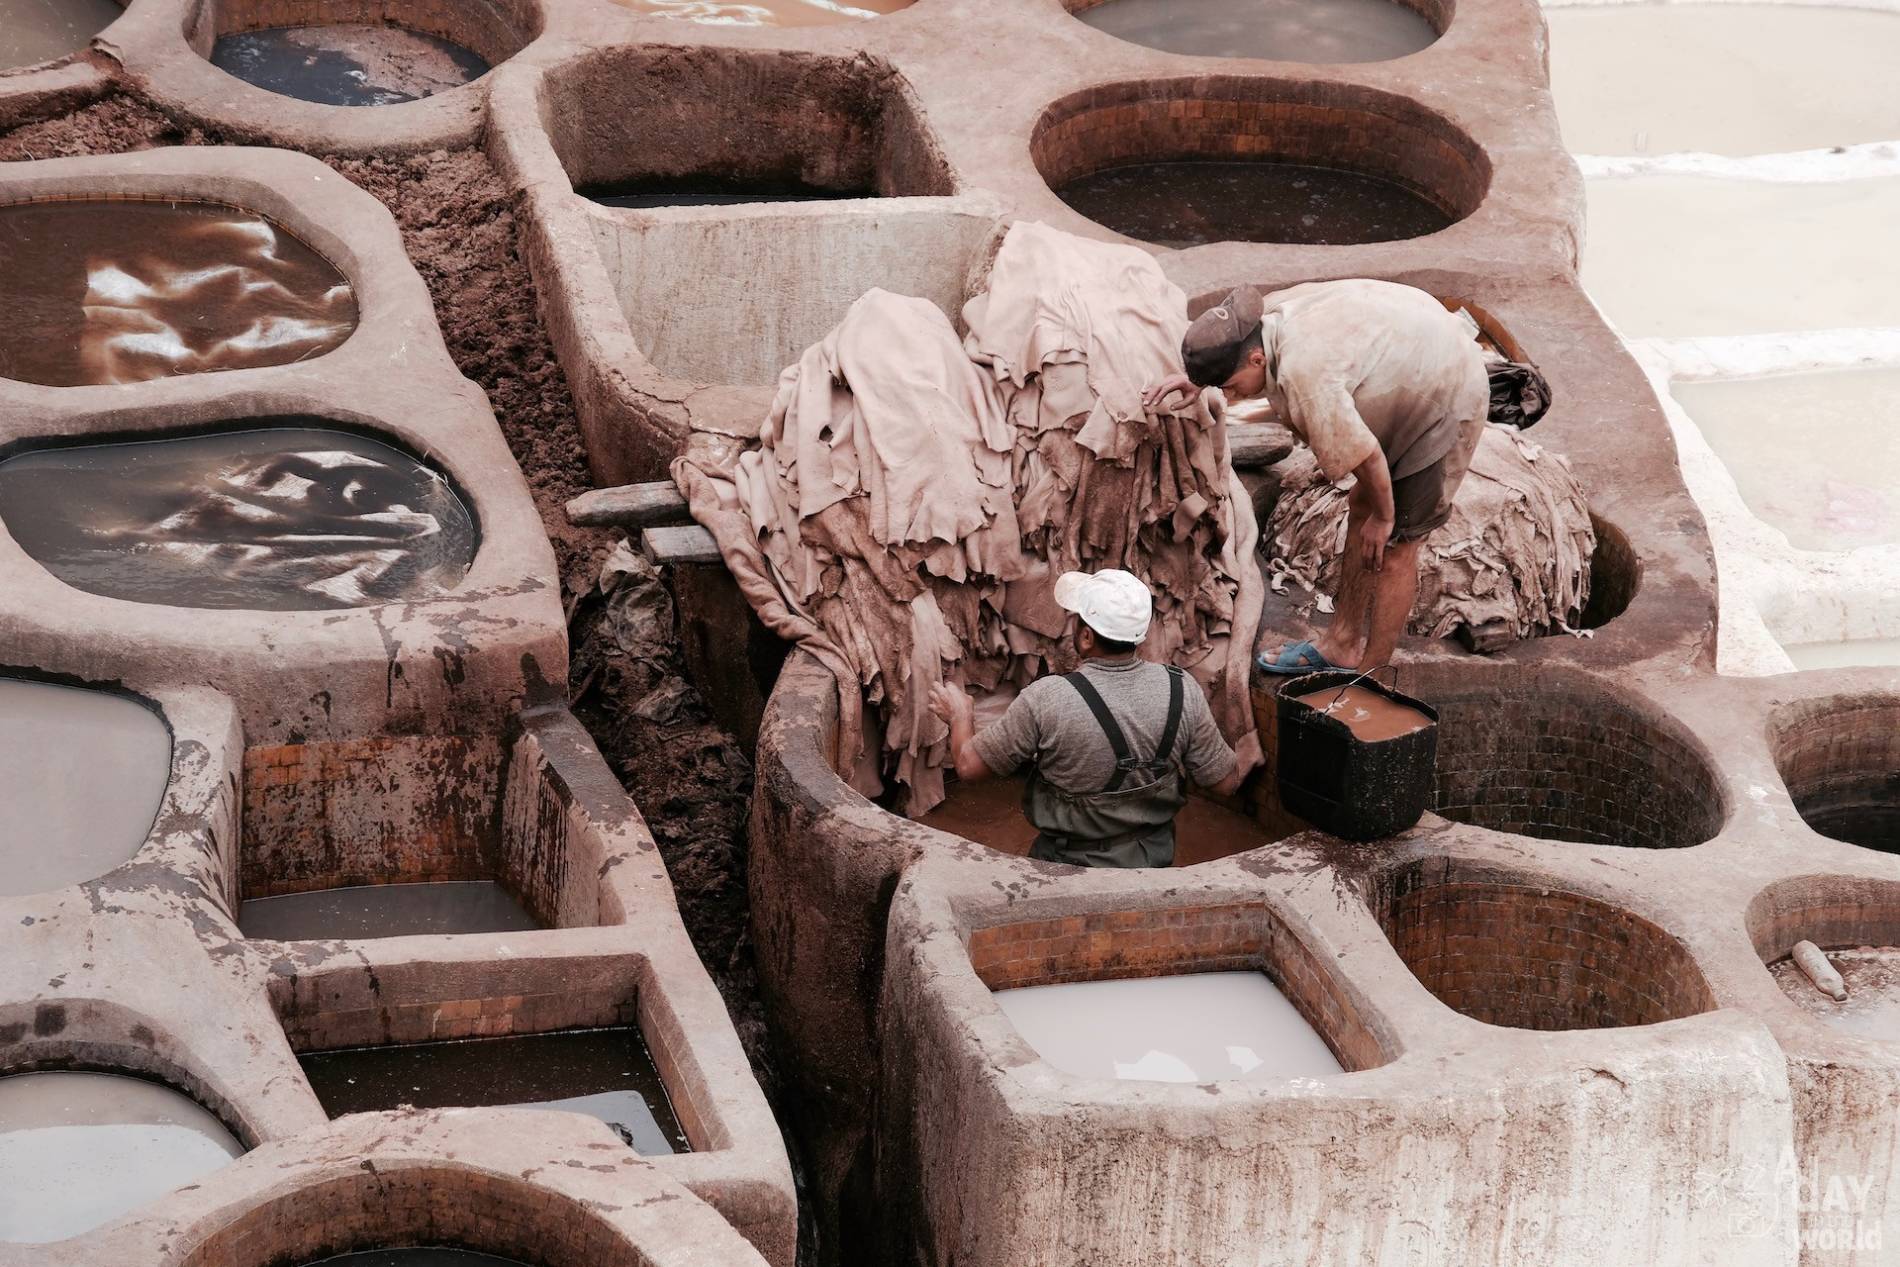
1565, 762
1832, 911
1225, 118
1108, 945
1536, 958
1840, 758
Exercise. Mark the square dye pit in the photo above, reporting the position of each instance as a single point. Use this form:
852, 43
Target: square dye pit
386, 910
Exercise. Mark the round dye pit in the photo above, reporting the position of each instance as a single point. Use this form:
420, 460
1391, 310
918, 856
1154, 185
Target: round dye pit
417, 1256
767, 13
1243, 166
35, 31
1317, 31
1840, 758
1515, 954
80, 1149
1571, 762
288, 518
1872, 977
115, 291
58, 746
348, 64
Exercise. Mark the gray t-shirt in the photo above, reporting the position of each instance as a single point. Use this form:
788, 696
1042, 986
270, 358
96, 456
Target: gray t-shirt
1050, 725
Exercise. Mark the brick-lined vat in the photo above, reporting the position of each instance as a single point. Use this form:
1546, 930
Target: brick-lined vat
1840, 757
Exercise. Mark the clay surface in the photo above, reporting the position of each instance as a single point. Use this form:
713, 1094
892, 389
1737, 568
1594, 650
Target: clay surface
386, 910
417, 1256
285, 518
1369, 715
79, 1149
1723, 78
1186, 204
118, 292
714, 193
348, 63
34, 31
1282, 30
1815, 455
1198, 1027
1845, 654
59, 746
1872, 1006
769, 13
604, 1073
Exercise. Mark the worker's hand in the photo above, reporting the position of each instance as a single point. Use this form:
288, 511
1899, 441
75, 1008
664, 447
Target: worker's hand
1374, 535
949, 704
1158, 392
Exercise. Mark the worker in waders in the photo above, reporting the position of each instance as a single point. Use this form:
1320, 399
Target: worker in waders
1384, 385
1110, 747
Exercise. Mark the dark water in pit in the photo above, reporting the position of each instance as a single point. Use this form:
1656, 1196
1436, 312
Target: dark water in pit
991, 813
1188, 204
1328, 31
347, 63
1872, 822
605, 1073
417, 1256
386, 910
34, 31
80, 1149
104, 291
710, 191
290, 518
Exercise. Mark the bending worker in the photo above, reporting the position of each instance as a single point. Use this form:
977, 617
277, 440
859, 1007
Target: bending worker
1384, 385
1109, 746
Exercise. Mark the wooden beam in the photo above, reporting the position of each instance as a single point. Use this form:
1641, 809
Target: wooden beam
677, 545
629, 506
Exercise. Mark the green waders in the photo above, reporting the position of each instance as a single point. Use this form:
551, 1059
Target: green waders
1129, 823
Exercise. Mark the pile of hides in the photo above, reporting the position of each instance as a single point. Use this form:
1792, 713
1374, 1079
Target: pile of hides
913, 495
1513, 559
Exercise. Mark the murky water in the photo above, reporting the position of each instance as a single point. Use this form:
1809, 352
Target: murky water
1329, 31
1370, 716
710, 191
347, 63
1198, 1027
1187, 204
1872, 977
285, 519
606, 1073
1815, 455
1723, 78
100, 291
80, 1149
1692, 255
59, 746
1841, 655
769, 13
34, 31
417, 1256
386, 910
991, 813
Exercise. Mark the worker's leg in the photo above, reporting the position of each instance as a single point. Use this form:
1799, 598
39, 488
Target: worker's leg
1394, 591
1345, 638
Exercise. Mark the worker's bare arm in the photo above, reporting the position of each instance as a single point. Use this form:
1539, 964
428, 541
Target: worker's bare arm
954, 707
1372, 494
1160, 391
1231, 784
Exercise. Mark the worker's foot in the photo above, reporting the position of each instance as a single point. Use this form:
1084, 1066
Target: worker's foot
1293, 659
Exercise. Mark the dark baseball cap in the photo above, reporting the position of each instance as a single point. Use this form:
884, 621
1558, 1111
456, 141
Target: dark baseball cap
1211, 349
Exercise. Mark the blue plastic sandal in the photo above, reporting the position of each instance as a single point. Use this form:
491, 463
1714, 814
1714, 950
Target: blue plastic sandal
1293, 660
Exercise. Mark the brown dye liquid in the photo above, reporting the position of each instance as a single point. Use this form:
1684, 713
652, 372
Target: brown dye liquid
768, 12
347, 63
386, 910
417, 1256
82, 774
34, 31
99, 291
991, 813
1322, 31
1369, 715
1188, 204
605, 1073
292, 518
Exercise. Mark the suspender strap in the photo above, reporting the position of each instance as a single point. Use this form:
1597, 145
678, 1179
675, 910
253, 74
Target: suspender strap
1117, 742
1111, 729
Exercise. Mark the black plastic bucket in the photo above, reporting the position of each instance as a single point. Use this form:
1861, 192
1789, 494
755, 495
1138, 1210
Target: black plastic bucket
1342, 784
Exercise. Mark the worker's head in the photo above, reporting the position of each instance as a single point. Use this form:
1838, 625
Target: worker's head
1114, 609
1223, 347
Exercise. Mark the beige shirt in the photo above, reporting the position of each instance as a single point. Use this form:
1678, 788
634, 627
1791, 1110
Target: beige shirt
1358, 365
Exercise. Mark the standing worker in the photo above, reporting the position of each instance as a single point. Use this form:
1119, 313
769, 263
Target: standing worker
1384, 385
1106, 745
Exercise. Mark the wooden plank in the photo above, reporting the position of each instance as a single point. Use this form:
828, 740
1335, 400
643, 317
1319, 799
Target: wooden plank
677, 545
1256, 444
629, 506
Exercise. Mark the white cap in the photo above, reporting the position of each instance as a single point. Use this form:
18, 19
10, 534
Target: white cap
1114, 603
